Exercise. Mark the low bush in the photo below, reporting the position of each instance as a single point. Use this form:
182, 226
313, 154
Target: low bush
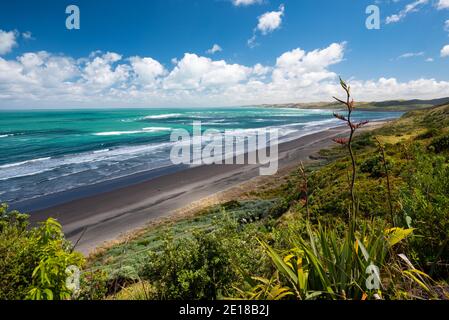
373, 166
33, 261
424, 203
440, 144
207, 265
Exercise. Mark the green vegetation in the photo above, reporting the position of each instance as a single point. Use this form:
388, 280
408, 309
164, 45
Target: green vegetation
127, 260
369, 221
324, 266
205, 265
33, 262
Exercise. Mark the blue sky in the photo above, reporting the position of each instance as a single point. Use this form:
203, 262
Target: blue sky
407, 54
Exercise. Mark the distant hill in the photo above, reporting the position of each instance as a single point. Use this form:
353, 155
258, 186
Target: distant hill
433, 102
390, 105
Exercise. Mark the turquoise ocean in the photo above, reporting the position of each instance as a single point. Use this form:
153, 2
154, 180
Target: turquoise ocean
45, 152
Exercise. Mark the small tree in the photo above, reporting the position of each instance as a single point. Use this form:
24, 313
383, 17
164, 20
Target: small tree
349, 104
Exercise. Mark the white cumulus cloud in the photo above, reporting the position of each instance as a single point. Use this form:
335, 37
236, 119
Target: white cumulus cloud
270, 21
100, 72
445, 51
43, 79
147, 70
194, 72
300, 68
215, 48
7, 41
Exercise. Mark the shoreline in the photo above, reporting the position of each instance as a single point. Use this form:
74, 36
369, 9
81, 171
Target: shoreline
121, 207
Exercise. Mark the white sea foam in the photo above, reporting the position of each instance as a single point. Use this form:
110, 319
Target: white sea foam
86, 159
218, 123
25, 174
320, 122
156, 129
163, 116
10, 165
101, 151
5, 135
117, 133
144, 130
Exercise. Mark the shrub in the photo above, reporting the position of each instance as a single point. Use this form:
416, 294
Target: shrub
425, 202
188, 269
363, 141
33, 261
440, 144
373, 166
205, 266
93, 285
